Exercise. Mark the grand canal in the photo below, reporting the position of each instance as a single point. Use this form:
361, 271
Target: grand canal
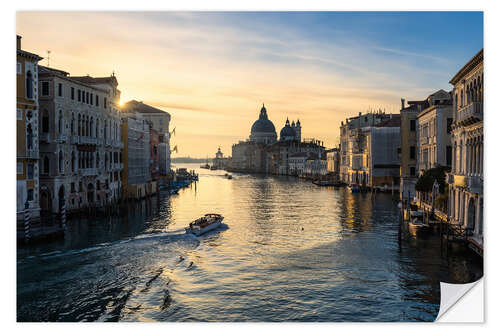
291, 251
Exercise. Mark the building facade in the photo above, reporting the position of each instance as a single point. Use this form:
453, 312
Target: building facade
27, 127
466, 177
352, 167
80, 140
160, 122
136, 156
434, 132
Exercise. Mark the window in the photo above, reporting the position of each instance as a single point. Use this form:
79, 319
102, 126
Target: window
29, 85
30, 194
80, 187
105, 102
91, 99
46, 165
449, 121
19, 68
45, 88
96, 100
412, 171
412, 152
87, 97
448, 155
30, 171
59, 90
73, 93
60, 123
413, 124
29, 137
19, 114
45, 121
20, 168
73, 189
61, 162
79, 95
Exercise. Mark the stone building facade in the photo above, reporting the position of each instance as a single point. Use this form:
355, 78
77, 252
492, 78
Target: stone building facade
466, 177
434, 132
80, 140
160, 122
27, 127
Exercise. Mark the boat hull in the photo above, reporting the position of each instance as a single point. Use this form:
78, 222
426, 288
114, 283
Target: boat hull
201, 231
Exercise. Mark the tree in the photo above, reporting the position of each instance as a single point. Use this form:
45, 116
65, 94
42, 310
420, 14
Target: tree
426, 181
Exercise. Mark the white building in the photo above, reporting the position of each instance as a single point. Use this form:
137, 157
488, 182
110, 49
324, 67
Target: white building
434, 129
466, 177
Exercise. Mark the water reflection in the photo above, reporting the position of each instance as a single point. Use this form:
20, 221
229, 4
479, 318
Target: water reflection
292, 252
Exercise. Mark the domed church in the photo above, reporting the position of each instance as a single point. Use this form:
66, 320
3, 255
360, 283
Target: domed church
291, 133
263, 130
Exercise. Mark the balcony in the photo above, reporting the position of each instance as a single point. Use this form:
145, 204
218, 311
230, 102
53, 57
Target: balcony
424, 140
86, 140
61, 138
88, 172
470, 112
74, 139
474, 184
45, 137
32, 154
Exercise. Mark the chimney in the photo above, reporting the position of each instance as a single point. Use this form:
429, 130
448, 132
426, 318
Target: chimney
402, 103
18, 44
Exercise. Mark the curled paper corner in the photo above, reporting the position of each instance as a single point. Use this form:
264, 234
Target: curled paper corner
457, 306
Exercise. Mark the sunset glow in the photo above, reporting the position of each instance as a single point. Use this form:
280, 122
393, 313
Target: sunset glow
212, 71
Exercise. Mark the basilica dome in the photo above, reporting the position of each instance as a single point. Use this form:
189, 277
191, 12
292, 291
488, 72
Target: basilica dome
263, 129
287, 132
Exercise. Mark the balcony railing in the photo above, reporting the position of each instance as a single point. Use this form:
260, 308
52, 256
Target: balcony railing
472, 110
474, 184
33, 154
75, 139
86, 140
45, 137
62, 138
88, 172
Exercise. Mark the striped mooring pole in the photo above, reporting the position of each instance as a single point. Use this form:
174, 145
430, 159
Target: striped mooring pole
27, 221
63, 213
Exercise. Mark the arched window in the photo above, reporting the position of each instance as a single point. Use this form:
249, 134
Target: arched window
92, 131
61, 162
97, 128
29, 85
72, 123
461, 97
46, 165
73, 161
97, 160
29, 137
45, 121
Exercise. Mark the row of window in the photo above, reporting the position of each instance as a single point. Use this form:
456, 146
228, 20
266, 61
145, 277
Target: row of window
81, 95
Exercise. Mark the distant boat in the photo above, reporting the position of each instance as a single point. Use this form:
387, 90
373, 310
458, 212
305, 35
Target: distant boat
205, 224
417, 226
355, 188
229, 177
205, 166
213, 167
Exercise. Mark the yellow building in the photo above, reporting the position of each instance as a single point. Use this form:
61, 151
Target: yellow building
27, 132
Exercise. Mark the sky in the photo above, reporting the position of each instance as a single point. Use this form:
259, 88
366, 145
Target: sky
213, 70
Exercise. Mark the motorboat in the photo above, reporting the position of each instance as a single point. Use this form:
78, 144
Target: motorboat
229, 177
204, 224
417, 226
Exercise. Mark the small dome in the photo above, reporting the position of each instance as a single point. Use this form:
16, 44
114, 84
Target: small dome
287, 132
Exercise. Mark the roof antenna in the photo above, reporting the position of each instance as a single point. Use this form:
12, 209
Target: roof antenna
48, 58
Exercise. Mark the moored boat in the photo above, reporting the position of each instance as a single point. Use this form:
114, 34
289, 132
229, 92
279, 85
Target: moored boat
417, 226
204, 224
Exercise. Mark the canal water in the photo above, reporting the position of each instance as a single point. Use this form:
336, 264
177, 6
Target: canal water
290, 251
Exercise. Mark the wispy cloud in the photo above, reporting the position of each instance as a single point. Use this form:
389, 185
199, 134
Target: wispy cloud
212, 71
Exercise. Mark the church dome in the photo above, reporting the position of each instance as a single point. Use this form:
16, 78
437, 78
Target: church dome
287, 132
263, 124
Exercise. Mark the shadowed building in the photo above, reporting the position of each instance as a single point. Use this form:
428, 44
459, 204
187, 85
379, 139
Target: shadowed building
27, 126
